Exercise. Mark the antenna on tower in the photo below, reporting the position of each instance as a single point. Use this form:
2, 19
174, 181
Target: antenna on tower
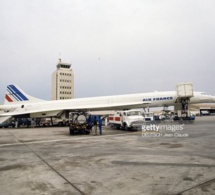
59, 57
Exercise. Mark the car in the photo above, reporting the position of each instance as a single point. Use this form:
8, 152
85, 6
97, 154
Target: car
7, 124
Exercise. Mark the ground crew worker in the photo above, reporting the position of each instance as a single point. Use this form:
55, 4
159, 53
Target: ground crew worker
95, 126
89, 123
100, 125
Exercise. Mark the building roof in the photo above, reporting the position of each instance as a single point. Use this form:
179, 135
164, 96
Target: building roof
63, 64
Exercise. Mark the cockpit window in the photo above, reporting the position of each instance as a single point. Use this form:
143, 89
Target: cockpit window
203, 93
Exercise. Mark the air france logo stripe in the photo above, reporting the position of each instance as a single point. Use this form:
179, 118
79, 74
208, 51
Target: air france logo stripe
13, 94
23, 97
16, 93
8, 98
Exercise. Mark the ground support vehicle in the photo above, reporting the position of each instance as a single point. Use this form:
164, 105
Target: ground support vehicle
79, 123
125, 119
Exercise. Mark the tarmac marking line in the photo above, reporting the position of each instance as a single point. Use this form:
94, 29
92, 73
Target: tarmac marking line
51, 167
196, 186
67, 139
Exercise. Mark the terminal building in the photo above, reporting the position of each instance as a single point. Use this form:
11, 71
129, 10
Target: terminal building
63, 82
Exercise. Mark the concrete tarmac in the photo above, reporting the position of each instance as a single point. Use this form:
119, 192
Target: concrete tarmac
176, 159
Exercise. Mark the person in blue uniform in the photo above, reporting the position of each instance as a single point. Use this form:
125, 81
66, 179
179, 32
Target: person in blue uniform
100, 125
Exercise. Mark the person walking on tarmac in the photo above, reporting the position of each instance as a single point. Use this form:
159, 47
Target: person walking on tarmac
89, 123
95, 125
100, 125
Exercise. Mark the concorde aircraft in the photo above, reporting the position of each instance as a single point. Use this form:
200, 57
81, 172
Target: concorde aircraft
19, 104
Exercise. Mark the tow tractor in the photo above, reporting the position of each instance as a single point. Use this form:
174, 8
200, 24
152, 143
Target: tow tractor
78, 123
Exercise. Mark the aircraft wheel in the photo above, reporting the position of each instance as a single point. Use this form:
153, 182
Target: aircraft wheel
87, 132
60, 124
126, 127
71, 131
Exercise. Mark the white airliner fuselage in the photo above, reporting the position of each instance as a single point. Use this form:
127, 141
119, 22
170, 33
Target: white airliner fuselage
32, 107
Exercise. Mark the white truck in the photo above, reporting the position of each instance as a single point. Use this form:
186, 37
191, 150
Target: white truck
148, 116
124, 119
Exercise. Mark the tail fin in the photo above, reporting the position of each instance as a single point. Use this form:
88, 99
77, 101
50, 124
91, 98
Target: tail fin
16, 95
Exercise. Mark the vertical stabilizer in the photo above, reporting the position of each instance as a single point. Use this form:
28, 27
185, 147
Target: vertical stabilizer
16, 95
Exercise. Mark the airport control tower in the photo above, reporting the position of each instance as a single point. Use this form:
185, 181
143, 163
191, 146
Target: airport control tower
62, 82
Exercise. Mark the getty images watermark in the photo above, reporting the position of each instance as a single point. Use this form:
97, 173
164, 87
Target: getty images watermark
153, 130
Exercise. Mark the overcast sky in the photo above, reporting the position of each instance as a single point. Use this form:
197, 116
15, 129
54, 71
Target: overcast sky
114, 46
